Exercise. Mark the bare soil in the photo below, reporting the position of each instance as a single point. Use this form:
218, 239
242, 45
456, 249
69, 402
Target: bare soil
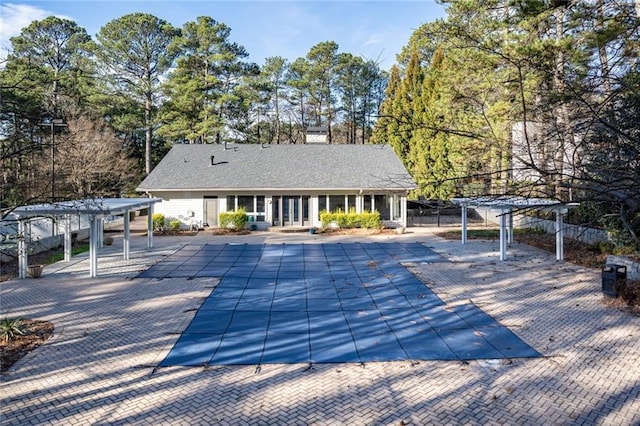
35, 332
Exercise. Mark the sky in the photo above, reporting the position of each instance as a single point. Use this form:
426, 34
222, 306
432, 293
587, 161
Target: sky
374, 29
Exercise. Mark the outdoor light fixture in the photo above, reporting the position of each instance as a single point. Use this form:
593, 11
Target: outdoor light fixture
55, 122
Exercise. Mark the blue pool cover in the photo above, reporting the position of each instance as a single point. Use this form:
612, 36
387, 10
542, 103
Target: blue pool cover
325, 303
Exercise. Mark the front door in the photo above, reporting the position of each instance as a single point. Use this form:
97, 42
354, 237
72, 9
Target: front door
211, 211
290, 210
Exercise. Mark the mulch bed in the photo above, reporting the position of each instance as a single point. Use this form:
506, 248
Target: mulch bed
36, 332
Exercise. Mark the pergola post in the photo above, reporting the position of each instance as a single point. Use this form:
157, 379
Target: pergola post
93, 246
150, 226
510, 226
464, 224
100, 232
125, 239
23, 256
66, 222
503, 235
559, 236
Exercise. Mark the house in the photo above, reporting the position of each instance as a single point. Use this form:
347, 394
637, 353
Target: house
316, 135
537, 151
279, 185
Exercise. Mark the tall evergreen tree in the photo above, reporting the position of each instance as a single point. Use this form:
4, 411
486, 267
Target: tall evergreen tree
53, 46
429, 150
387, 125
273, 74
398, 113
44, 77
321, 74
133, 54
203, 92
358, 82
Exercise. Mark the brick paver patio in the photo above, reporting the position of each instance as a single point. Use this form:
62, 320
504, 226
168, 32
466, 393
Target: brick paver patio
112, 331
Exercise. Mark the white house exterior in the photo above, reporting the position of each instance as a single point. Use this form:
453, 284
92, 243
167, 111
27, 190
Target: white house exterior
279, 185
537, 150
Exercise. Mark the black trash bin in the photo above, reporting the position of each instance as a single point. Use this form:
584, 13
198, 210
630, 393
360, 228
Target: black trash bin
613, 276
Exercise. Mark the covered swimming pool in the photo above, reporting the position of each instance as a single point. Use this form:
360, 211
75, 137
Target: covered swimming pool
325, 303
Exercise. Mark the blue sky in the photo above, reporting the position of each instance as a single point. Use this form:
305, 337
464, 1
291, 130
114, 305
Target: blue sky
374, 29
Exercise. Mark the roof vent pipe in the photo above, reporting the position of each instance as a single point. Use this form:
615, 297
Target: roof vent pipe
212, 160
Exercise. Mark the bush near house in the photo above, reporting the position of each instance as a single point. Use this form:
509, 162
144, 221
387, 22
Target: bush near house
367, 220
234, 220
159, 222
174, 225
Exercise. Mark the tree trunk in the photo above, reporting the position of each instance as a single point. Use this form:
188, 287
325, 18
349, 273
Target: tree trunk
278, 130
602, 51
564, 129
147, 133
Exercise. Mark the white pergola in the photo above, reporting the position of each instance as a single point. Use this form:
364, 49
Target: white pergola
97, 209
506, 206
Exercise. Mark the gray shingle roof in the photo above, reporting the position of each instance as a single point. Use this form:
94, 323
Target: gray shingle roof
245, 166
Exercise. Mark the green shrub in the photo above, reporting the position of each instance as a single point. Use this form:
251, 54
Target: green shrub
159, 222
174, 225
606, 247
368, 220
327, 218
538, 230
10, 329
624, 250
235, 220
622, 239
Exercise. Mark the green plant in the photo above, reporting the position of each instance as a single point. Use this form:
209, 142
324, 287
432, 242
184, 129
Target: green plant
606, 247
74, 251
10, 329
235, 220
159, 222
622, 239
174, 225
624, 250
368, 220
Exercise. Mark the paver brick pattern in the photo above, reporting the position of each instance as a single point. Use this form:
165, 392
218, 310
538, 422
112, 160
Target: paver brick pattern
112, 331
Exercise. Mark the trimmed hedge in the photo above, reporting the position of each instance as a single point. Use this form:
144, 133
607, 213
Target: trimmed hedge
367, 220
234, 220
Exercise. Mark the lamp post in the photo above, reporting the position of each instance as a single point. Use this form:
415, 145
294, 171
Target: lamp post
55, 122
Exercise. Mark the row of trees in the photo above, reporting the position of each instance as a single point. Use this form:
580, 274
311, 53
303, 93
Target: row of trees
536, 98
143, 84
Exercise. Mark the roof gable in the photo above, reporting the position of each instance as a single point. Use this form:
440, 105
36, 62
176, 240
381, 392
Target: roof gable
249, 166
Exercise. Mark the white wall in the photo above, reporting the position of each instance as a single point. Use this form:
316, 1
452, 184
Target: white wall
177, 205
